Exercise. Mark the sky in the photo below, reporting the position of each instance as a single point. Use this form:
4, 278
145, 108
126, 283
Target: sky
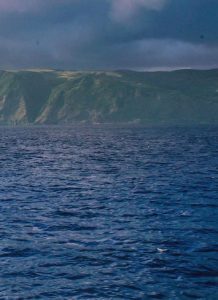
109, 34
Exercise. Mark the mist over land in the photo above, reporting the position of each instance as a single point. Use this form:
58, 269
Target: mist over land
153, 98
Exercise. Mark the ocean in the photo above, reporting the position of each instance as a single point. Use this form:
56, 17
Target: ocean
108, 212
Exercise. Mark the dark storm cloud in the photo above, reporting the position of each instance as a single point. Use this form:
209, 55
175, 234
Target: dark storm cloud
108, 34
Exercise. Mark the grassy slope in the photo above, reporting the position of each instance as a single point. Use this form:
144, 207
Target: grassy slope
179, 97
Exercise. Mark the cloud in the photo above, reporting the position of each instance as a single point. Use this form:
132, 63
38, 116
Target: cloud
72, 52
108, 34
124, 10
17, 5
23, 6
151, 54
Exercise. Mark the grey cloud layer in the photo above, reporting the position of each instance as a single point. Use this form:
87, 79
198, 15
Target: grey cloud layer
125, 10
108, 34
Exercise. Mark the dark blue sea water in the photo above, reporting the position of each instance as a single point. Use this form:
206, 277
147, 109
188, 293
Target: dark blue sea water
108, 213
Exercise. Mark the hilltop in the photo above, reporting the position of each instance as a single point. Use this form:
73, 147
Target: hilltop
57, 97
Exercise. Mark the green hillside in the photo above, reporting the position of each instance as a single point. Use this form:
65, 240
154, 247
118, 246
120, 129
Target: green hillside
53, 97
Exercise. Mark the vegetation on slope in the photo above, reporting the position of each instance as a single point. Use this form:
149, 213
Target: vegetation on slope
51, 97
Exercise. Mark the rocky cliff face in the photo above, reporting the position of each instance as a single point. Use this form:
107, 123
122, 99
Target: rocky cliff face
52, 97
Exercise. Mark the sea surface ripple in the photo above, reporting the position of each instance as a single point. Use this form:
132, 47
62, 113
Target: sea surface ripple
108, 212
